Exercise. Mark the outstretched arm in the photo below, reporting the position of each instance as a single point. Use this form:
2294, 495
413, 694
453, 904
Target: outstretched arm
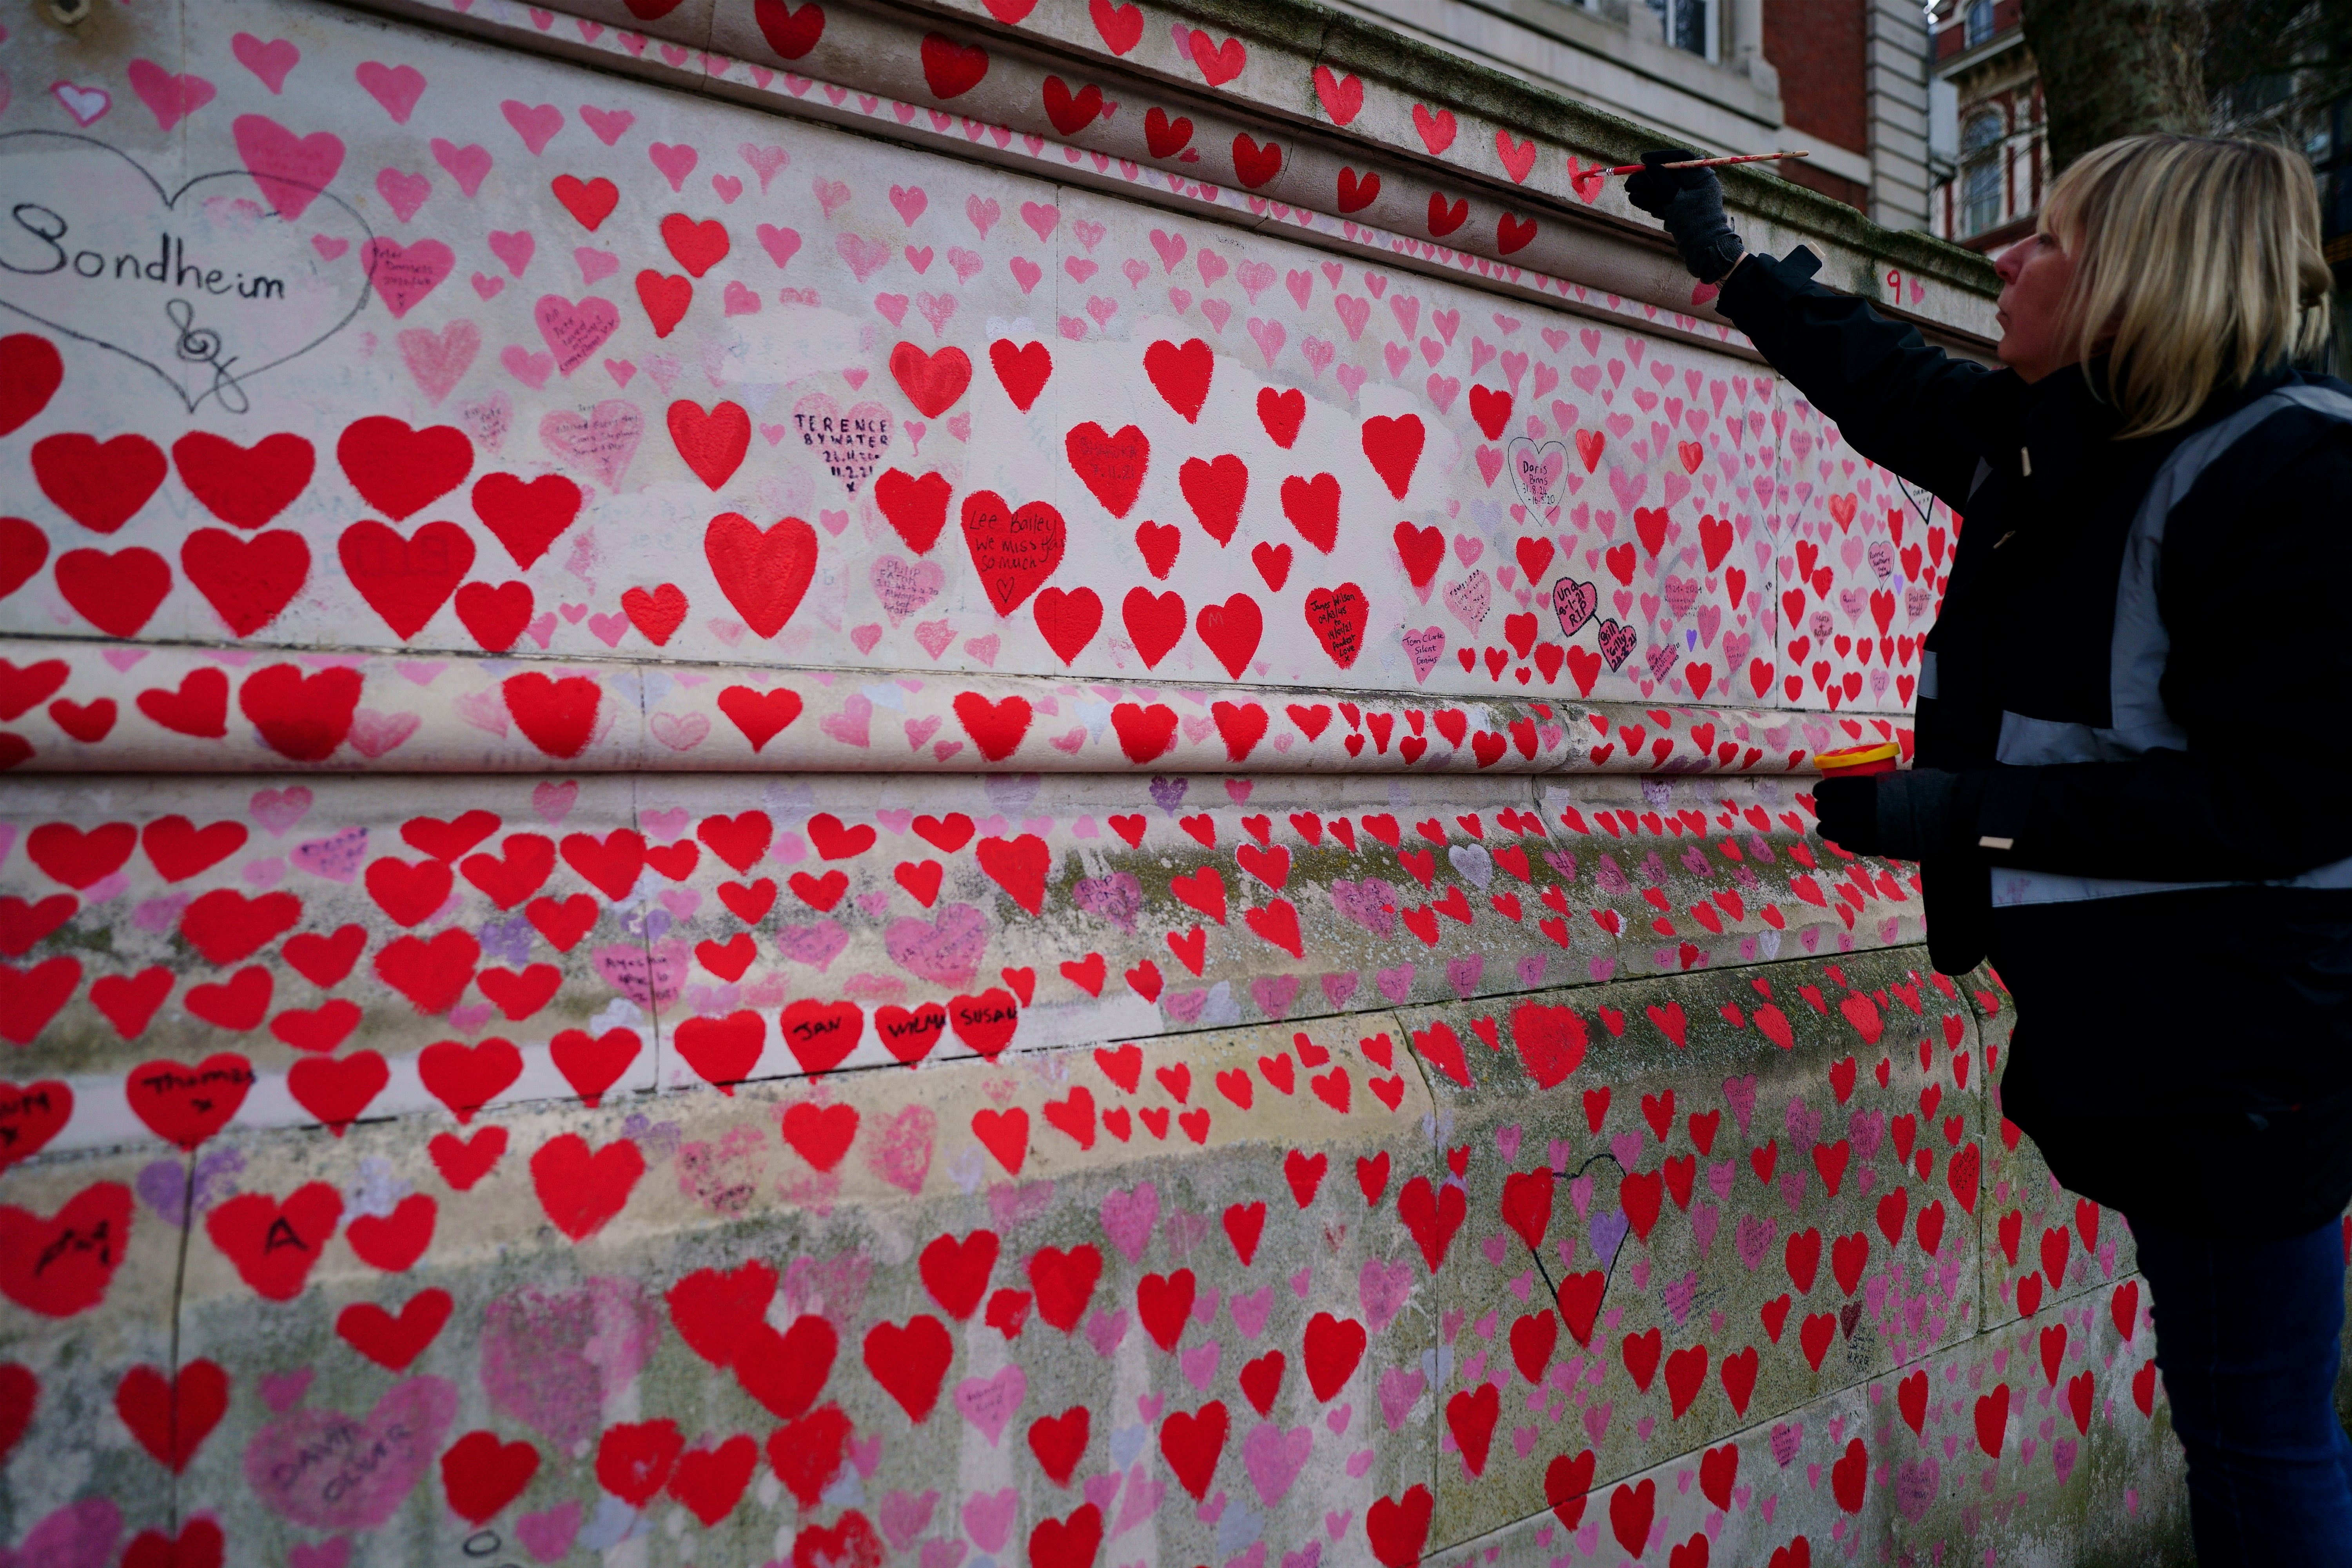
1891, 396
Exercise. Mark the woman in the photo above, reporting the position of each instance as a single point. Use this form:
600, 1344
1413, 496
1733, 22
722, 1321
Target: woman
2132, 748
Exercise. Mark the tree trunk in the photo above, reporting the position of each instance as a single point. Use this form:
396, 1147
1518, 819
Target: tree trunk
2117, 67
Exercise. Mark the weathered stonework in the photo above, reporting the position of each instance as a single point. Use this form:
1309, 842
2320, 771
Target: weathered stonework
894, 825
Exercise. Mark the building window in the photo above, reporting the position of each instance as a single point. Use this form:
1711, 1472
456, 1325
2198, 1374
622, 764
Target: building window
1979, 22
1981, 172
1689, 25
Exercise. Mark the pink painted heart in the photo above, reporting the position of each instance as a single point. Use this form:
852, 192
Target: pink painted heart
290, 169
403, 274
988, 1403
169, 98
1274, 1458
548, 1536
551, 1360
598, 443
269, 62
574, 330
401, 1438
946, 951
1424, 646
905, 586
851, 445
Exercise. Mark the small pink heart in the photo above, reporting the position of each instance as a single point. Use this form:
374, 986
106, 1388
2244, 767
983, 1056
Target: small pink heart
329, 247
281, 1391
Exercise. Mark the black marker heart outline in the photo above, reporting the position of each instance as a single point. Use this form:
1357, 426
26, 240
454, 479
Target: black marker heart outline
170, 200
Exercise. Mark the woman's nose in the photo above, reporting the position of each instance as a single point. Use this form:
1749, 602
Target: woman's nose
2005, 266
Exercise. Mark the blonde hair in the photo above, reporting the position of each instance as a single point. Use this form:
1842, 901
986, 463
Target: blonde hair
2197, 265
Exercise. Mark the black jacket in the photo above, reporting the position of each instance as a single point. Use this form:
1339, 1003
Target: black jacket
2186, 1055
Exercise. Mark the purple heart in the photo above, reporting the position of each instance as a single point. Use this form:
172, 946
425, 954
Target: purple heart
1608, 1234
164, 1187
322, 1469
1169, 794
507, 940
1340, 987
1396, 985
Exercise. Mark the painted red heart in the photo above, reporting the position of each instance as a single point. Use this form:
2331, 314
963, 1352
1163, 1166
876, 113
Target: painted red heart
30, 1116
100, 484
480, 1474
634, 1459
1112, 466
338, 1090
247, 582
1337, 616
760, 715
1014, 552
527, 517
821, 1035
172, 1417
1394, 446
495, 616
405, 580
910, 1362
764, 572
395, 1340
558, 716
245, 487
116, 593
712, 444
302, 717
932, 381
274, 1245
1398, 1527
1193, 1442
30, 372
400, 471
709, 1482
431, 974
23, 547
949, 68
1064, 1282
917, 508
580, 1188
723, 1051
1023, 369
1069, 621
590, 201
1232, 631
996, 727
1217, 490
467, 1077
792, 31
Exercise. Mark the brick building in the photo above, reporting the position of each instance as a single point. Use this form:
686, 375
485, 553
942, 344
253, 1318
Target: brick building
1842, 81
1988, 146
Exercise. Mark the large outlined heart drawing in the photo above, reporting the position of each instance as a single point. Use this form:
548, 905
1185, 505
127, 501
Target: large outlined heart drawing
207, 286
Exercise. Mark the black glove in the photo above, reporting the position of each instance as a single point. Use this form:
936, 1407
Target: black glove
1900, 815
1846, 813
1690, 203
